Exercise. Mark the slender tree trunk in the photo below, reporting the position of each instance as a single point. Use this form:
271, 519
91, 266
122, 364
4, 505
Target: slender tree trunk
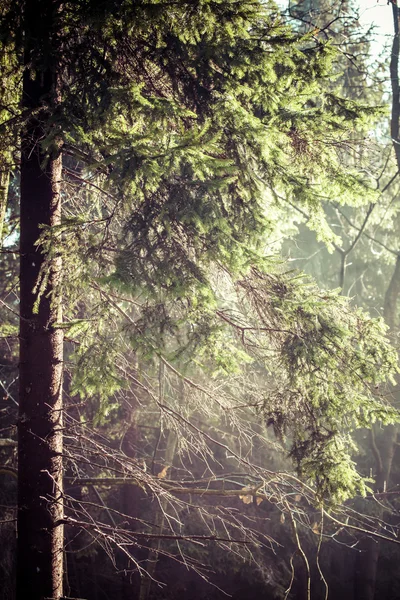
40, 496
5, 155
4, 181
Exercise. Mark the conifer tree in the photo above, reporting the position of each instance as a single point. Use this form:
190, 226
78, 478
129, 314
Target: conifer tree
368, 242
178, 127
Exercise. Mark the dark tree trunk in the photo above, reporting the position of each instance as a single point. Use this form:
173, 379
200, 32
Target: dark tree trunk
40, 497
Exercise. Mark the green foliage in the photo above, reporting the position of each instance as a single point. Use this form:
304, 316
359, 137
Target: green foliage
220, 114
331, 467
185, 128
195, 124
329, 363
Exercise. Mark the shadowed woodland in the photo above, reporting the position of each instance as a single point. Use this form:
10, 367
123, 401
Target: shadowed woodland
199, 301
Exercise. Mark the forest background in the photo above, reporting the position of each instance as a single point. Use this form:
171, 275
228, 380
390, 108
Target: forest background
215, 400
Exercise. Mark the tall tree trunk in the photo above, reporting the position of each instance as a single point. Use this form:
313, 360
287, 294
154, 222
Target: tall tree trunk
4, 182
40, 496
7, 92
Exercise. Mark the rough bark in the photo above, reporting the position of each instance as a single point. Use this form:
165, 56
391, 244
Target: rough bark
40, 498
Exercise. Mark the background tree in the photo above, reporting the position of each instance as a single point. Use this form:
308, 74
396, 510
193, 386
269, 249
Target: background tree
368, 265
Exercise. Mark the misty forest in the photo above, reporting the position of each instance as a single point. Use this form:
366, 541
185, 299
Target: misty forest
199, 300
